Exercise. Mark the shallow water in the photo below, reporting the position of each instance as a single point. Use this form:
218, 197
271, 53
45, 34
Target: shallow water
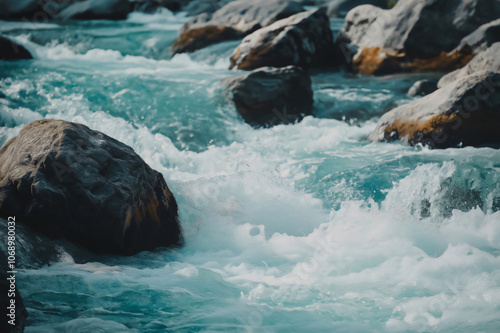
296, 227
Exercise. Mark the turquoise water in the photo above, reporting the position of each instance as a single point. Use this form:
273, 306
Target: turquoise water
302, 227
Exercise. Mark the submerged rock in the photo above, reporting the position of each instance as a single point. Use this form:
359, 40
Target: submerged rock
269, 96
35, 250
10, 50
416, 35
422, 88
304, 40
233, 21
66, 180
465, 112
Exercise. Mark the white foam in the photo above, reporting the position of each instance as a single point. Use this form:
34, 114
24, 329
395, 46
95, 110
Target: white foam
245, 222
12, 88
250, 230
163, 19
16, 117
187, 272
161, 15
141, 65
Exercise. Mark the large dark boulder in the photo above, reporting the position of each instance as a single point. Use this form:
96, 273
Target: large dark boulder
415, 35
233, 21
66, 180
465, 112
269, 96
10, 50
304, 40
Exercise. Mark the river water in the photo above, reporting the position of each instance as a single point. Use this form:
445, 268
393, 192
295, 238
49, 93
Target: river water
294, 228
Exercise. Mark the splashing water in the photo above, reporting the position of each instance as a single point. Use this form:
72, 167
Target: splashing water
296, 227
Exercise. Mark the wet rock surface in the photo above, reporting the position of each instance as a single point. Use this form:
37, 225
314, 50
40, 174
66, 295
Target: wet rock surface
304, 40
66, 180
233, 21
465, 112
414, 35
269, 96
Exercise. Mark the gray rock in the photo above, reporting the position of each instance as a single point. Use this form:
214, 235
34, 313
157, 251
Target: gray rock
358, 24
10, 50
415, 35
420, 28
339, 8
96, 10
269, 96
66, 180
487, 60
304, 40
465, 112
233, 21
422, 88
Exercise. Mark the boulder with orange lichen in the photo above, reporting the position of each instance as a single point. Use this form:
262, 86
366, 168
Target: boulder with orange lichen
487, 60
376, 61
465, 112
303, 40
66, 180
233, 21
415, 35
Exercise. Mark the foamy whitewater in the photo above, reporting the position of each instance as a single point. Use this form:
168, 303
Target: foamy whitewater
306, 227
